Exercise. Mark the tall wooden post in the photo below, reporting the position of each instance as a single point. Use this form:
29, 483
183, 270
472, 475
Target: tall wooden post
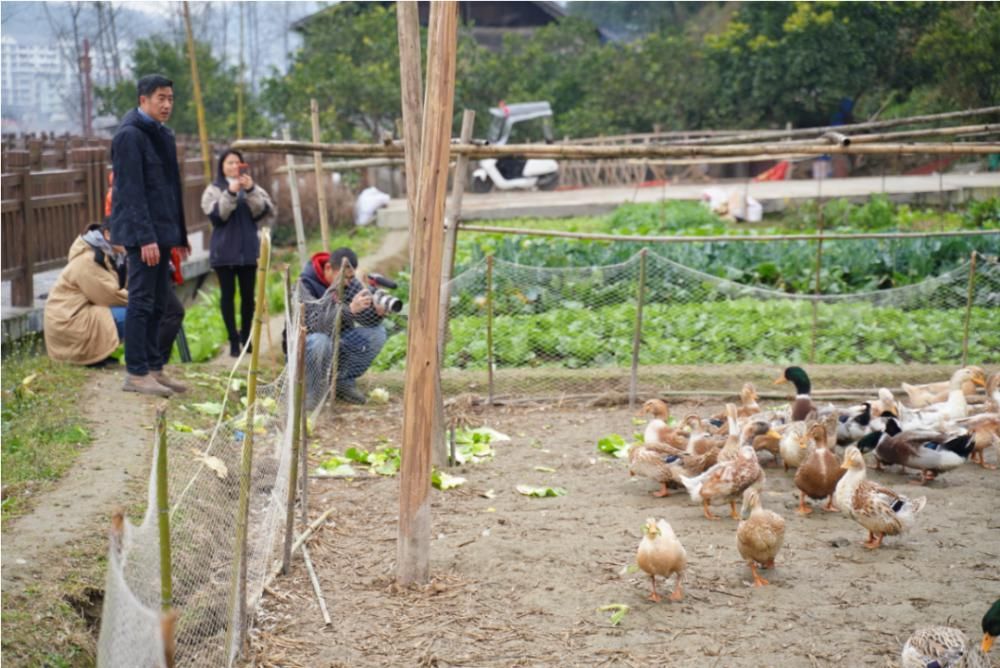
411, 96
22, 288
324, 226
293, 462
293, 189
968, 308
198, 104
239, 82
413, 554
489, 328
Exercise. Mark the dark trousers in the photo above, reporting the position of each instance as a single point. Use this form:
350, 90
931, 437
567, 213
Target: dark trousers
247, 278
170, 324
147, 297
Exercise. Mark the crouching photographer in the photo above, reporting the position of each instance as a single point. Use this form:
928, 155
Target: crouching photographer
362, 334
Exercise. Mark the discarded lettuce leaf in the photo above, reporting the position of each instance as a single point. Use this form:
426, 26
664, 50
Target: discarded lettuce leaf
545, 469
379, 395
529, 490
212, 462
613, 445
442, 480
617, 610
208, 407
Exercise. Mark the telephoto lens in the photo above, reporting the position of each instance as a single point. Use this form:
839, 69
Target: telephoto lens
387, 301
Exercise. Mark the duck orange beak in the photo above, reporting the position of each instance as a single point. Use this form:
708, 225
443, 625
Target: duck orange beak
779, 380
987, 643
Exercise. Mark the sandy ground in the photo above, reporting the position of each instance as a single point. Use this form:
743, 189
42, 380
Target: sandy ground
516, 581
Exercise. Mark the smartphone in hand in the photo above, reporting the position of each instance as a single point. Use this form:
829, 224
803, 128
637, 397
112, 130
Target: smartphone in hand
244, 168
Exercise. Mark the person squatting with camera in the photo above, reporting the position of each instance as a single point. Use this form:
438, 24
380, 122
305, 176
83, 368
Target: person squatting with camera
362, 334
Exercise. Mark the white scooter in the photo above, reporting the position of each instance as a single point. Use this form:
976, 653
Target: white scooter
514, 172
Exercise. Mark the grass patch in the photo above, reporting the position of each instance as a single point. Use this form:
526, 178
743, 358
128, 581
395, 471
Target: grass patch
42, 430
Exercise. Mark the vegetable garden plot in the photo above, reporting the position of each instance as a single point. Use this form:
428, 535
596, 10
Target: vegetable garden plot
583, 323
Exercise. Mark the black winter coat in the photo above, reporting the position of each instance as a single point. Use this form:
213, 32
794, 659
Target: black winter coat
147, 202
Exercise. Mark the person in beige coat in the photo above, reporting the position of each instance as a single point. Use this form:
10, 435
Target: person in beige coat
79, 325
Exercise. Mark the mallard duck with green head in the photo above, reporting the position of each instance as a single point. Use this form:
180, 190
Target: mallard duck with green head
803, 404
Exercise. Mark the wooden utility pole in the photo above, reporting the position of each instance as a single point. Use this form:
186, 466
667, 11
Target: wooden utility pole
411, 90
198, 104
324, 226
422, 368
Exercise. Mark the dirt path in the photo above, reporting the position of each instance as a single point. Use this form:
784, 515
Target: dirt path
82, 501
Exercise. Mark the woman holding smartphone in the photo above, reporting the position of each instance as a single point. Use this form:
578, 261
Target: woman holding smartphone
235, 204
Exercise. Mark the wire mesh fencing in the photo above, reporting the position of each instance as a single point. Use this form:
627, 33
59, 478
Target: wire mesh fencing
581, 331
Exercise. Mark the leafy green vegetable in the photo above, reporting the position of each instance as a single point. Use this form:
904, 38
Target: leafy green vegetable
613, 445
336, 467
441, 480
208, 407
617, 610
529, 490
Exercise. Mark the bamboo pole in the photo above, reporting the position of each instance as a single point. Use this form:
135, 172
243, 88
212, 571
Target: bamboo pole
807, 132
341, 165
422, 367
163, 506
338, 319
411, 91
315, 585
238, 609
293, 467
968, 308
816, 289
239, 82
293, 189
168, 622
324, 223
637, 334
489, 229
304, 460
199, 105
489, 326
571, 152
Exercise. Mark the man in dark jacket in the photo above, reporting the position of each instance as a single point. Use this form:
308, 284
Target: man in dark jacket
361, 332
147, 218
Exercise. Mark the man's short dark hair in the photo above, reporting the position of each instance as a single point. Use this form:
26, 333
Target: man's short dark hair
148, 84
337, 257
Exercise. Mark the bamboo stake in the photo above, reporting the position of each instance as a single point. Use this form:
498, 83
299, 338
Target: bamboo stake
239, 83
489, 229
293, 189
968, 308
573, 152
163, 506
168, 622
238, 609
489, 325
199, 105
335, 334
816, 290
411, 90
637, 334
422, 367
293, 467
315, 585
324, 226
304, 460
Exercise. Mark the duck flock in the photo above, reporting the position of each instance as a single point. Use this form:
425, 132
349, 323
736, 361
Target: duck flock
938, 428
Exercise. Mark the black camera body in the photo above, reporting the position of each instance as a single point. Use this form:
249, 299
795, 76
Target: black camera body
382, 298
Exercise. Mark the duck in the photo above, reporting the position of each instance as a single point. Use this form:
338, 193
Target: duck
794, 442
985, 429
653, 460
854, 423
819, 473
725, 482
949, 647
759, 535
657, 430
661, 553
880, 510
956, 406
803, 403
768, 442
886, 404
934, 393
748, 401
700, 441
732, 444
932, 452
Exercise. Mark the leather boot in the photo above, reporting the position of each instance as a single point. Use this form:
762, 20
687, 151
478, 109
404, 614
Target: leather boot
146, 385
168, 382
